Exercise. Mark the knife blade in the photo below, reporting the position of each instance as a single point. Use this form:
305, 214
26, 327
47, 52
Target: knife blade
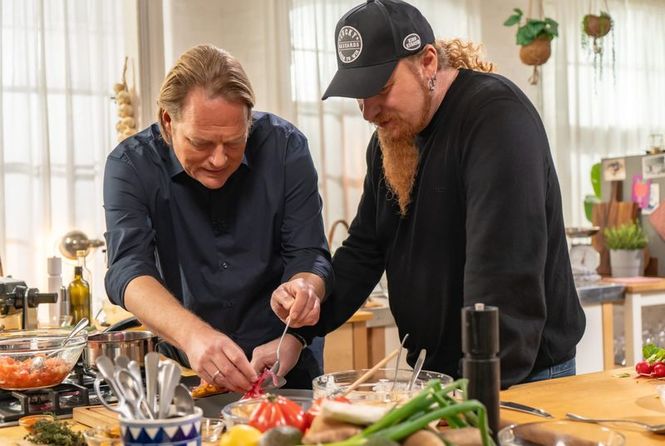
510, 405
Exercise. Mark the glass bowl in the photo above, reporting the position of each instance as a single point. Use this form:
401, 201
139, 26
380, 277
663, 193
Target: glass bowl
379, 387
29, 421
239, 412
18, 350
103, 436
559, 433
211, 430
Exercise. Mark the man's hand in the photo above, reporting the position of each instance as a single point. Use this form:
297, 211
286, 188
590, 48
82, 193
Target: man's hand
220, 361
298, 299
265, 355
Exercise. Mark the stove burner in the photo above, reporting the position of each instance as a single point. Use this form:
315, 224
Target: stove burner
77, 390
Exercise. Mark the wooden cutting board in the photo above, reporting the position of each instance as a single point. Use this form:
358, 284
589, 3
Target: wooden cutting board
94, 416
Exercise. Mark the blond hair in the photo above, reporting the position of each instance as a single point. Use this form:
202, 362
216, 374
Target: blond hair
457, 53
207, 67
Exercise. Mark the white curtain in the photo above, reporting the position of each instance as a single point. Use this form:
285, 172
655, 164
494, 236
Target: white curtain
591, 114
337, 133
60, 59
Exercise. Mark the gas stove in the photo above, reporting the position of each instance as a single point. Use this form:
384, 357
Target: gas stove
75, 391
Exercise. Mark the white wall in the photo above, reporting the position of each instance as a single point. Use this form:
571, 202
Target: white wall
247, 30
501, 49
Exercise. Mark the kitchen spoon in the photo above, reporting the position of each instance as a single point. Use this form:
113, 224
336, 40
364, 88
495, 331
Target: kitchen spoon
418, 366
184, 403
655, 428
38, 361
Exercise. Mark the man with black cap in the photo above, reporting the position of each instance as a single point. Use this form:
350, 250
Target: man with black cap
461, 201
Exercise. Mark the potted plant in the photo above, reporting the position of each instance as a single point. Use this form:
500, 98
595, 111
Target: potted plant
535, 37
626, 244
594, 29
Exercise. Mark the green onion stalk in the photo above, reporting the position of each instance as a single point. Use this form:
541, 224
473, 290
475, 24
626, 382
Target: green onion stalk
431, 404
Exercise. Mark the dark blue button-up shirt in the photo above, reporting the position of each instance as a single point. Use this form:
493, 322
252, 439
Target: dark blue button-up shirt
220, 252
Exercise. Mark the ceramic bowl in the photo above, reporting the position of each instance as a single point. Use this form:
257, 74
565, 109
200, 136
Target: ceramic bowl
177, 431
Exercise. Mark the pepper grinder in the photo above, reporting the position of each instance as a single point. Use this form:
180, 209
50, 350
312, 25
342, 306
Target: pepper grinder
480, 365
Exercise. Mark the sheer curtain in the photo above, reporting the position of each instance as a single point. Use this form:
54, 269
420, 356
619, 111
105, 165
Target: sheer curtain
337, 133
60, 59
588, 116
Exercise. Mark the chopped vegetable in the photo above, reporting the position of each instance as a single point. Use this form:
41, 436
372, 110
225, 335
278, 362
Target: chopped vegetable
277, 410
362, 414
431, 404
315, 408
23, 375
257, 386
205, 389
55, 433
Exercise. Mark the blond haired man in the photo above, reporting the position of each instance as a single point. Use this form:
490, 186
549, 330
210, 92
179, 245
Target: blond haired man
208, 212
461, 201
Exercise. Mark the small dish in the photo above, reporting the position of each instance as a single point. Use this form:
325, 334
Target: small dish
559, 433
29, 422
103, 436
211, 430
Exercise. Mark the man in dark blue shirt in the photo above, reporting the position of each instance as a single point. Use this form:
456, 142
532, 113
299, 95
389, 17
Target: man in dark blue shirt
208, 213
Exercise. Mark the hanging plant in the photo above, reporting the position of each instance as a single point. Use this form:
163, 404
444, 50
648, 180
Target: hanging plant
594, 30
535, 37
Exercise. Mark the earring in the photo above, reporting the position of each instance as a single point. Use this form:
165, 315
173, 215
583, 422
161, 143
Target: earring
431, 84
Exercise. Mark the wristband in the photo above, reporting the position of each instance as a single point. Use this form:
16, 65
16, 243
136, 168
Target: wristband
302, 340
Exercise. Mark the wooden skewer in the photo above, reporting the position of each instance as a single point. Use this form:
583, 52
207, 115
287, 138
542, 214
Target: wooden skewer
368, 374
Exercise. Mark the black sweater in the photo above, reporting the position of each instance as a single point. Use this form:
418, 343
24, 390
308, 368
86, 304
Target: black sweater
485, 225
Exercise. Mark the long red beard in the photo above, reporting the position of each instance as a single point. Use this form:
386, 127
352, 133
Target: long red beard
401, 156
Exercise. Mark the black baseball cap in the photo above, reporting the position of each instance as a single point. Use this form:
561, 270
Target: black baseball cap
370, 39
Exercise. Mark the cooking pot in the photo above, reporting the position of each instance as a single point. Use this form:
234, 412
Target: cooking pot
133, 344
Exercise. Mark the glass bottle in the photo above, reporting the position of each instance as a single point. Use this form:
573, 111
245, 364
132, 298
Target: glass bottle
79, 296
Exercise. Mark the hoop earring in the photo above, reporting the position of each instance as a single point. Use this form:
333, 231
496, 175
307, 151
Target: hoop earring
431, 84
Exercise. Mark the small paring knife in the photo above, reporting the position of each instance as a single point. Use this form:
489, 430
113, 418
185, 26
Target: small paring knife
524, 408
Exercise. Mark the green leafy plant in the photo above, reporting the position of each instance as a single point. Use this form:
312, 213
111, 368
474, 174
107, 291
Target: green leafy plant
594, 29
628, 236
532, 29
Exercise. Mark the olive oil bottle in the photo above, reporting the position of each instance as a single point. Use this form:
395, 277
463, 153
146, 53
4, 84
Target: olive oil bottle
79, 296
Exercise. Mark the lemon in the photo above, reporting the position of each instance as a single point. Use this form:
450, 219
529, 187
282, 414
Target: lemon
241, 435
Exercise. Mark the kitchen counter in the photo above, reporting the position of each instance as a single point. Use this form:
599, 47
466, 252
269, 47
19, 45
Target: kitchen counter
607, 394
603, 394
600, 292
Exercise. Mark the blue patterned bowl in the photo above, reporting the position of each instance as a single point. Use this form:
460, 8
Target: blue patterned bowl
180, 431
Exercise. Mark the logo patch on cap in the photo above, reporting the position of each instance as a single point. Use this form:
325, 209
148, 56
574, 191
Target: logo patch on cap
411, 42
349, 44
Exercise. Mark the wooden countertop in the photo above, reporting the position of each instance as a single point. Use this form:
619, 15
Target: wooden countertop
638, 284
601, 395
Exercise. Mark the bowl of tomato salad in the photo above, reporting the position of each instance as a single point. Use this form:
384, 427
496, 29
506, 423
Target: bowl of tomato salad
21, 370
